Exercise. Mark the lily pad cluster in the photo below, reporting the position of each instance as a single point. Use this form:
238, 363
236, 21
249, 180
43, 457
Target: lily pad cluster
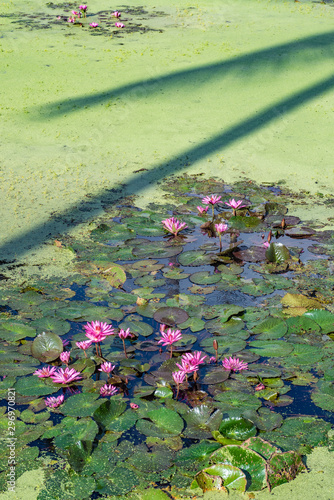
263, 297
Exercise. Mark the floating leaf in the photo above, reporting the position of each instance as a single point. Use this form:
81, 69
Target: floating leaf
12, 331
195, 324
234, 400
237, 428
261, 447
34, 386
245, 459
84, 429
298, 300
324, 396
204, 278
138, 327
196, 452
278, 253
47, 347
51, 324
271, 328
284, 467
223, 327
194, 258
81, 405
233, 478
264, 419
171, 316
271, 349
301, 325
164, 423
201, 421
226, 345
244, 223
325, 319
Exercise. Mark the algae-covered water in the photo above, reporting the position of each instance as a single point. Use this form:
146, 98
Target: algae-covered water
238, 90
227, 88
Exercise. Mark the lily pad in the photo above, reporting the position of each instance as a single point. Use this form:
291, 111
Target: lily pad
325, 319
201, 421
163, 423
271, 349
231, 478
247, 460
271, 328
223, 327
34, 386
138, 327
237, 428
81, 405
171, 316
324, 396
196, 452
234, 400
302, 325
284, 467
204, 278
47, 347
194, 258
277, 253
264, 419
51, 324
13, 331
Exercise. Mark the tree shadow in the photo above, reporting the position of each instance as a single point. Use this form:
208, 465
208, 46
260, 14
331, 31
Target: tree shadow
306, 51
83, 212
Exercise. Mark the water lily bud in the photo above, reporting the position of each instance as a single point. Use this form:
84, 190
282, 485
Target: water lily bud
215, 345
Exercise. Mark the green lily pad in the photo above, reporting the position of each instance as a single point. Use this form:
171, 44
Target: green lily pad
204, 278
156, 250
264, 419
245, 224
201, 421
237, 428
224, 312
34, 386
269, 349
226, 345
324, 396
261, 447
301, 325
18, 369
303, 355
297, 433
284, 467
81, 405
159, 459
51, 324
12, 331
175, 273
277, 253
263, 371
163, 423
223, 327
47, 347
325, 319
170, 316
84, 429
232, 478
138, 327
234, 400
215, 376
60, 486
194, 258
195, 324
196, 452
245, 459
270, 328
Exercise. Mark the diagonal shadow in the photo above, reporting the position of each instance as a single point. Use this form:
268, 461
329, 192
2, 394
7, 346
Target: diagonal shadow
136, 183
306, 50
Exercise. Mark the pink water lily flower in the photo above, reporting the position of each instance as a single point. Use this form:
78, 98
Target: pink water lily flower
93, 25
65, 357
202, 210
179, 377
45, 372
66, 376
124, 334
234, 364
266, 244
116, 14
108, 390
85, 344
134, 406
173, 225
211, 200
71, 20
97, 331
119, 25
235, 203
169, 337
221, 228
260, 387
54, 402
83, 7
106, 367
190, 362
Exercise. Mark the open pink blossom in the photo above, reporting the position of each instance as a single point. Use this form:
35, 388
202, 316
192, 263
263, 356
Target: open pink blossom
108, 390
134, 406
65, 357
116, 14
235, 203
119, 25
173, 226
65, 342
202, 210
179, 377
106, 367
162, 328
211, 200
266, 244
85, 344
54, 402
234, 364
169, 337
93, 25
190, 362
83, 7
71, 20
260, 387
66, 376
75, 13
45, 372
97, 331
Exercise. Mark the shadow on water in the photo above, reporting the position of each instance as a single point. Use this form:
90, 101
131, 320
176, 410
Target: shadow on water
319, 46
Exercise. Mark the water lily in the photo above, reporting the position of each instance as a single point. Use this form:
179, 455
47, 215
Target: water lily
221, 228
116, 14
45, 372
65, 357
65, 376
84, 345
106, 367
211, 200
234, 364
169, 337
119, 25
71, 20
260, 387
54, 402
134, 406
190, 362
108, 390
173, 226
179, 378
235, 204
202, 210
93, 25
97, 331
83, 8
124, 334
